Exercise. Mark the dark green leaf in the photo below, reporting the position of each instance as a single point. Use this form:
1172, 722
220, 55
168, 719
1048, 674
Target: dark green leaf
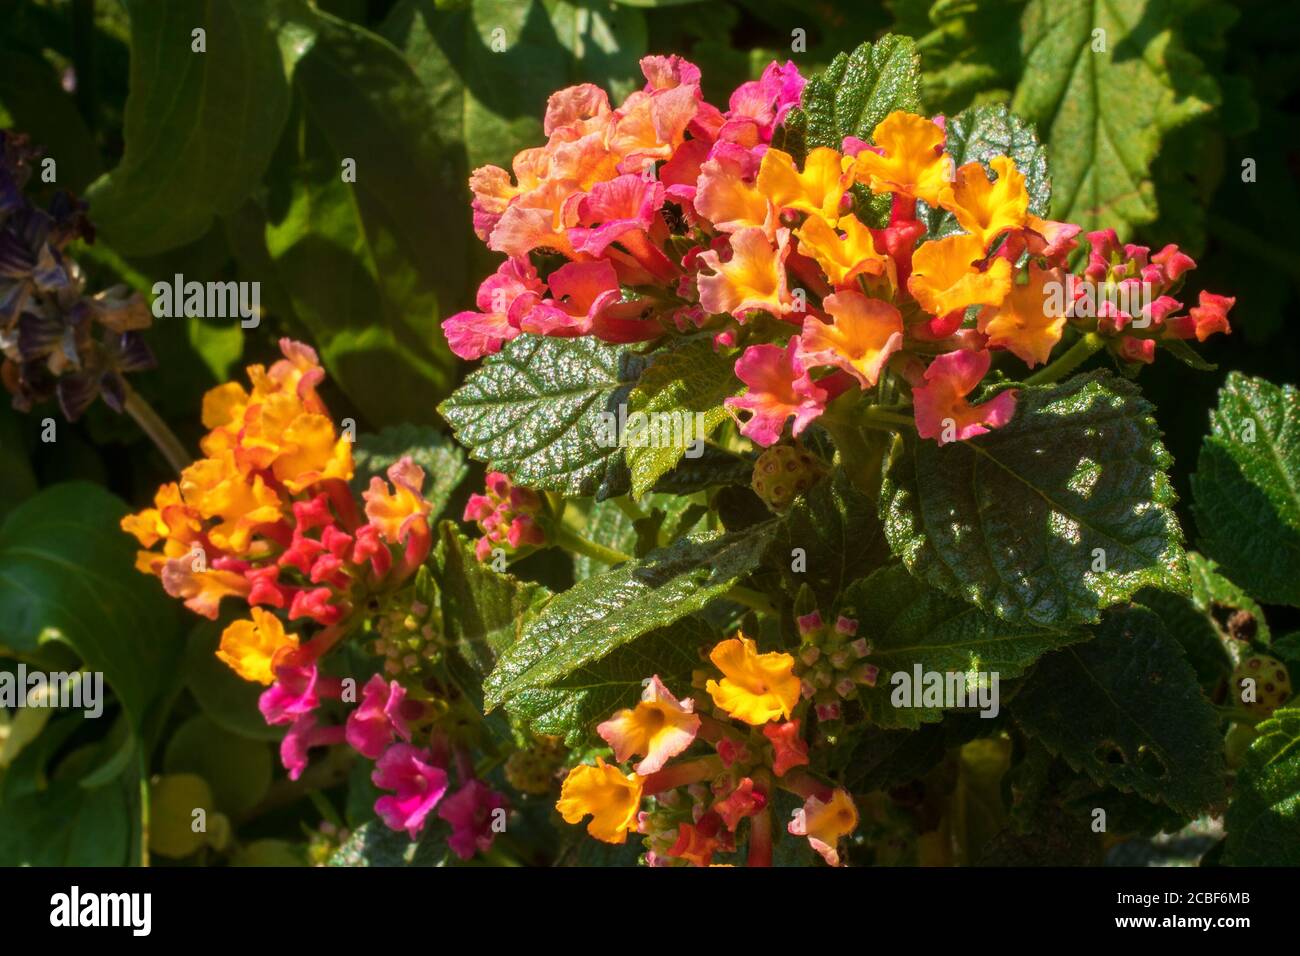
200, 127
1246, 490
374, 844
1062, 512
910, 624
590, 620
1264, 818
1125, 708
1216, 596
541, 411
860, 89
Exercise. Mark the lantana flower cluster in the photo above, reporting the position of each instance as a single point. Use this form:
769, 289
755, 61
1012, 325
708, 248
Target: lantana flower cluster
708, 805
57, 341
667, 215
268, 517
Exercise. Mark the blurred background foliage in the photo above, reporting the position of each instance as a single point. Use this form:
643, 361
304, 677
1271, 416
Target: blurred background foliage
227, 165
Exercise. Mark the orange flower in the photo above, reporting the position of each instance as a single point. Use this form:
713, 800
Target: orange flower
842, 258
755, 687
913, 163
754, 277
825, 823
726, 195
396, 515
817, 190
612, 797
250, 647
864, 334
1030, 321
985, 209
215, 488
944, 278
660, 727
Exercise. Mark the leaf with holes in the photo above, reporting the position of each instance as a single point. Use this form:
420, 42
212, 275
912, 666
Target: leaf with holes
1059, 514
541, 411
1246, 490
1126, 709
912, 626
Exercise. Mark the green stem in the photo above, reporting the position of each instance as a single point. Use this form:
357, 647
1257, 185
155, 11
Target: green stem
629, 508
566, 538
873, 414
152, 425
1069, 360
750, 599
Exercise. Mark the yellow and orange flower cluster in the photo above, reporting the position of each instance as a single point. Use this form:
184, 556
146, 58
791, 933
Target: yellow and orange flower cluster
701, 803
267, 515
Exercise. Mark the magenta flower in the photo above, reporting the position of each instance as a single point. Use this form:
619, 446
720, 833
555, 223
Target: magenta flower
293, 694
779, 387
418, 786
302, 736
372, 725
470, 811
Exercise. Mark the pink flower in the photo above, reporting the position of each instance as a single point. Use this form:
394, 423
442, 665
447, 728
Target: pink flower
779, 387
942, 411
293, 694
371, 726
503, 299
580, 291
1205, 319
418, 786
471, 811
1173, 262
302, 737
614, 210
789, 750
506, 515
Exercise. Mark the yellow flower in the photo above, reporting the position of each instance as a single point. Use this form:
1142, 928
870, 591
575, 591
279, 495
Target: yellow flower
861, 337
249, 647
754, 277
397, 515
817, 190
945, 279
825, 823
659, 727
215, 488
842, 258
755, 687
986, 209
1030, 321
612, 797
913, 164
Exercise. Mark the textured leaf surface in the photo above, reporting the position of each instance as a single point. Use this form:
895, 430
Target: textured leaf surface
200, 128
681, 393
594, 617
978, 134
1215, 595
1012, 520
533, 410
910, 623
854, 94
572, 706
1264, 818
1126, 709
1104, 135
1246, 490
837, 528
443, 462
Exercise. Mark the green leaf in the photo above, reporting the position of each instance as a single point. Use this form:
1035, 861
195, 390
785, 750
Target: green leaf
680, 394
17, 480
857, 91
1215, 595
534, 410
373, 844
572, 706
483, 611
238, 769
910, 624
1263, 820
1104, 112
1126, 709
200, 128
609, 525
443, 462
841, 539
67, 573
1246, 490
1020, 520
1196, 630
980, 133
602, 613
